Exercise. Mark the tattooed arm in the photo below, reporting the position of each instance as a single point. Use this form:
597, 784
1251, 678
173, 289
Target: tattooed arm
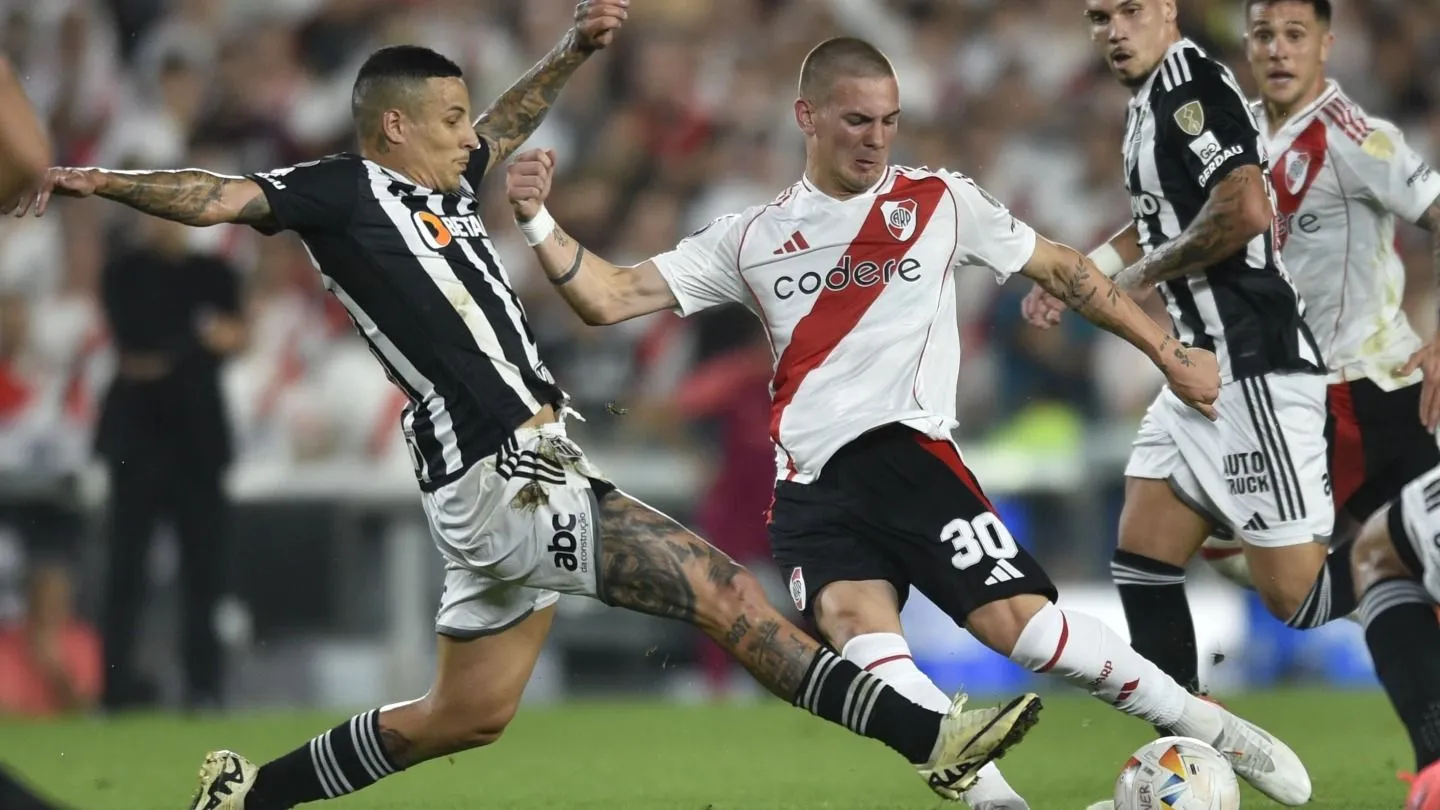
191, 196
515, 116
1237, 211
1430, 221
1075, 280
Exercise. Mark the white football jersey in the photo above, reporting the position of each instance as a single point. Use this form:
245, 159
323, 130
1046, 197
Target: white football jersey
858, 297
1341, 178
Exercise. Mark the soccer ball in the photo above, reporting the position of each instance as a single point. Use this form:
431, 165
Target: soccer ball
1227, 556
1177, 773
1425, 790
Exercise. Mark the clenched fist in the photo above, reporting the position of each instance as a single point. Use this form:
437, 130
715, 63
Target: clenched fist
596, 22
1194, 376
527, 182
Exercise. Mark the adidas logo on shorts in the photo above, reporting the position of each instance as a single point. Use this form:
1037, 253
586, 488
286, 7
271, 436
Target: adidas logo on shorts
1003, 572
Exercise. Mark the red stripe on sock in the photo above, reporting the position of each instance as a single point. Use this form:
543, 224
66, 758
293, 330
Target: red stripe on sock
1127, 689
887, 659
1059, 648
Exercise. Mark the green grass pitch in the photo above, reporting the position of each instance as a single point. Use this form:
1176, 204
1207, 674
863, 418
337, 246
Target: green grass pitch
651, 756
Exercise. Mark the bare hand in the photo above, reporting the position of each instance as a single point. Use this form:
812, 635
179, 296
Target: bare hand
62, 180
596, 22
1194, 376
1041, 309
527, 182
1427, 359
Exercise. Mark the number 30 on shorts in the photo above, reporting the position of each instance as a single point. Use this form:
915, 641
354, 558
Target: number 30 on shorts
983, 537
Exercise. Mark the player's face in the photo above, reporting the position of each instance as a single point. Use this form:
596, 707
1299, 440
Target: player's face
1287, 48
1131, 35
853, 130
442, 135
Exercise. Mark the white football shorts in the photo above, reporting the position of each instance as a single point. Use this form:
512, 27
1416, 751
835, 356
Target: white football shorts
519, 528
1261, 469
1415, 526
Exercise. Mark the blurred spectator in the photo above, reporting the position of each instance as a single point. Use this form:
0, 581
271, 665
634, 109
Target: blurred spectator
688, 118
49, 660
165, 436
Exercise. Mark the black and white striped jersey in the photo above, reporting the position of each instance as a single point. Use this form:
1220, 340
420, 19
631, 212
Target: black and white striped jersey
424, 287
1188, 127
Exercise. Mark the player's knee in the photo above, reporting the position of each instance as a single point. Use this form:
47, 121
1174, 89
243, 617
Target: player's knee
999, 624
1373, 558
1283, 602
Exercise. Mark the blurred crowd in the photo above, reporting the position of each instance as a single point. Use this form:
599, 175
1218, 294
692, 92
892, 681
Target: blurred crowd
687, 117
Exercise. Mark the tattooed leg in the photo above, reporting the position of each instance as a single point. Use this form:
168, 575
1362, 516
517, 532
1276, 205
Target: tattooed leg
652, 564
476, 692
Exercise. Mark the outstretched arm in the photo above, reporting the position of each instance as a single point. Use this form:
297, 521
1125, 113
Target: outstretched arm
1075, 279
515, 116
190, 196
600, 292
1237, 211
1043, 310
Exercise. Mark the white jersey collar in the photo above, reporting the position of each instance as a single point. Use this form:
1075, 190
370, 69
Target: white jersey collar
810, 188
1301, 119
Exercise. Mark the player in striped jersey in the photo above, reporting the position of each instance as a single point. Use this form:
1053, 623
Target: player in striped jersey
1202, 232
516, 510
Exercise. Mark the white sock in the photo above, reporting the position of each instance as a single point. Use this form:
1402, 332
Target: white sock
887, 655
1083, 649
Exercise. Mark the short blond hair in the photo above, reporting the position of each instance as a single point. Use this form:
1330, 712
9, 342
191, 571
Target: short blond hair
840, 58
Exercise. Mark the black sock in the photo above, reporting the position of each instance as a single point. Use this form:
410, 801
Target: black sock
1333, 594
343, 760
1403, 635
1153, 595
839, 691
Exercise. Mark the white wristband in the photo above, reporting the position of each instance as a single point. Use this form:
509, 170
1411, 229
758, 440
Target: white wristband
1108, 260
539, 228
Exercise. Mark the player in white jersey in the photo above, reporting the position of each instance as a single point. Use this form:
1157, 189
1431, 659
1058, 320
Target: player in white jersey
852, 272
1342, 178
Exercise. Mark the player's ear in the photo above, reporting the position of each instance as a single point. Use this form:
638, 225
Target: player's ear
1325, 43
1169, 10
392, 126
805, 116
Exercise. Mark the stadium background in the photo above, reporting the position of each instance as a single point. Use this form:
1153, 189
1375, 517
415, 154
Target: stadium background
687, 117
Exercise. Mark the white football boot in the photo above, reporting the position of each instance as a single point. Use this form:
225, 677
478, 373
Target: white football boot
1266, 763
225, 780
970, 739
1257, 757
